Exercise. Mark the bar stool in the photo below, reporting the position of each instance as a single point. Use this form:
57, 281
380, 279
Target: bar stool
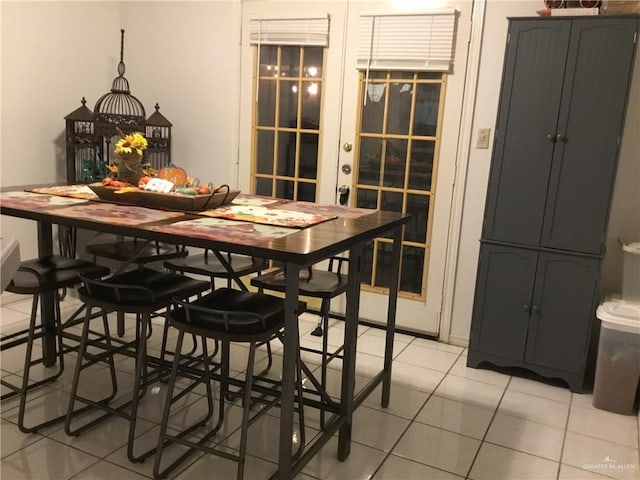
142, 292
314, 283
36, 277
138, 252
209, 265
227, 316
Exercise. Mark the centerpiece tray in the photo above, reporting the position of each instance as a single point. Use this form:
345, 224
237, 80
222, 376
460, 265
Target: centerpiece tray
167, 201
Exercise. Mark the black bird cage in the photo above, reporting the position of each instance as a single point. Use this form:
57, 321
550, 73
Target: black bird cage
158, 133
90, 135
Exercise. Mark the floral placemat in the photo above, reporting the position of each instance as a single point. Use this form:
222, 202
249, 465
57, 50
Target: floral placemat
117, 214
74, 191
35, 201
225, 230
256, 200
326, 209
268, 216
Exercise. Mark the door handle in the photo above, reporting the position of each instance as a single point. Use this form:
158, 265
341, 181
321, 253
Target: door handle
344, 194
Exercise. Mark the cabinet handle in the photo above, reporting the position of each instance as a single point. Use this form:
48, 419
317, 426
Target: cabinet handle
561, 138
534, 308
526, 307
551, 137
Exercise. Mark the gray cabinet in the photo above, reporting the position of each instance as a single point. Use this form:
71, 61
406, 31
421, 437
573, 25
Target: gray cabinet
564, 92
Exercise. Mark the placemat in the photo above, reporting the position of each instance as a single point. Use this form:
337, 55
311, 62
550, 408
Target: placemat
256, 200
34, 201
115, 213
268, 216
73, 191
225, 230
326, 209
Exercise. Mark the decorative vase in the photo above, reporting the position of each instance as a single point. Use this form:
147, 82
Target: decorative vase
129, 168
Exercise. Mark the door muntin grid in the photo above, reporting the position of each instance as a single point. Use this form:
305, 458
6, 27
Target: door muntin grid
286, 128
398, 140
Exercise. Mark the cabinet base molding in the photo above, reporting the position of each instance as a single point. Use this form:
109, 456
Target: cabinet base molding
575, 382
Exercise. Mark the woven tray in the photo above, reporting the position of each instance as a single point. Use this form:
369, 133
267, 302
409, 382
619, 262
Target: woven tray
167, 201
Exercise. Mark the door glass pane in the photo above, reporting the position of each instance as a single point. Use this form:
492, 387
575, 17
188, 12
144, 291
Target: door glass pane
399, 113
308, 155
370, 161
373, 111
411, 273
366, 198
384, 272
286, 154
306, 192
267, 104
288, 112
264, 155
264, 186
311, 97
421, 164
290, 62
391, 201
284, 189
268, 60
312, 62
425, 121
394, 163
416, 229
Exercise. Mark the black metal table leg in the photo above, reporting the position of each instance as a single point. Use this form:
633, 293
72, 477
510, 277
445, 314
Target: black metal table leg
47, 300
391, 316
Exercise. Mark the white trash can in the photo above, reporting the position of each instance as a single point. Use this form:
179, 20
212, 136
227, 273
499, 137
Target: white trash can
618, 364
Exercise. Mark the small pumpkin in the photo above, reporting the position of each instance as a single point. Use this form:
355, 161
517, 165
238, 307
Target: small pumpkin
176, 175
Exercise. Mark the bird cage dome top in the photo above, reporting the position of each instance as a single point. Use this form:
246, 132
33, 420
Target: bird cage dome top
81, 114
119, 102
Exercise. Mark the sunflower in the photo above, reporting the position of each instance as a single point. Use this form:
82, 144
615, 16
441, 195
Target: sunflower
132, 143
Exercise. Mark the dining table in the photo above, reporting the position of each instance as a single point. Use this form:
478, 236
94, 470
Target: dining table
296, 234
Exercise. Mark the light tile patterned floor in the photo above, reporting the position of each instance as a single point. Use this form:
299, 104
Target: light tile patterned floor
445, 421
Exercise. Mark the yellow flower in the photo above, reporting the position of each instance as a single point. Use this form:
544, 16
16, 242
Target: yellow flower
131, 143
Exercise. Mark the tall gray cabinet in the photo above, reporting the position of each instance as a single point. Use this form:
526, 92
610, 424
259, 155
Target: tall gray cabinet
564, 91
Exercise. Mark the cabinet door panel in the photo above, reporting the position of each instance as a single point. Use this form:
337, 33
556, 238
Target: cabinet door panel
591, 117
529, 104
503, 288
564, 301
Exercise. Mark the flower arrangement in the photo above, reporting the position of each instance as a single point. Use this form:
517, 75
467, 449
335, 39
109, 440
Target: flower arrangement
129, 151
131, 143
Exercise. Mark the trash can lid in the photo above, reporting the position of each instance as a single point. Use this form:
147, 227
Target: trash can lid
620, 315
632, 248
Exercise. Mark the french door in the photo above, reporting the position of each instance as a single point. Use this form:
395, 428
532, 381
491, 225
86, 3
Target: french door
388, 136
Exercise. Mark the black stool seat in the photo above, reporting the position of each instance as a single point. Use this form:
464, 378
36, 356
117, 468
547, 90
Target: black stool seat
233, 314
208, 264
52, 272
142, 289
320, 284
135, 251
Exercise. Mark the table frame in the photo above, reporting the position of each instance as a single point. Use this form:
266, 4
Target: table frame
297, 251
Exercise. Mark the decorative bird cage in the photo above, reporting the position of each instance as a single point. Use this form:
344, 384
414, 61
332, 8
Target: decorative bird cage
84, 162
158, 133
90, 135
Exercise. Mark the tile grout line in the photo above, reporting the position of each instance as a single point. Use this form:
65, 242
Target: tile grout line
482, 441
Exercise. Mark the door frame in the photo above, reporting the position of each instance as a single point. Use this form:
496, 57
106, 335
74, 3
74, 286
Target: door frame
462, 167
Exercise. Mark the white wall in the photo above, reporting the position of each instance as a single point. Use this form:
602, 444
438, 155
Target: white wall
185, 55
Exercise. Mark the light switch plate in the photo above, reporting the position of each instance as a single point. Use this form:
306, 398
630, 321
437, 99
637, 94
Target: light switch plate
483, 138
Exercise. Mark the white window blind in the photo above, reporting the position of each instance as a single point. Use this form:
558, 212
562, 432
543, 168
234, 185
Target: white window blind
309, 31
421, 41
